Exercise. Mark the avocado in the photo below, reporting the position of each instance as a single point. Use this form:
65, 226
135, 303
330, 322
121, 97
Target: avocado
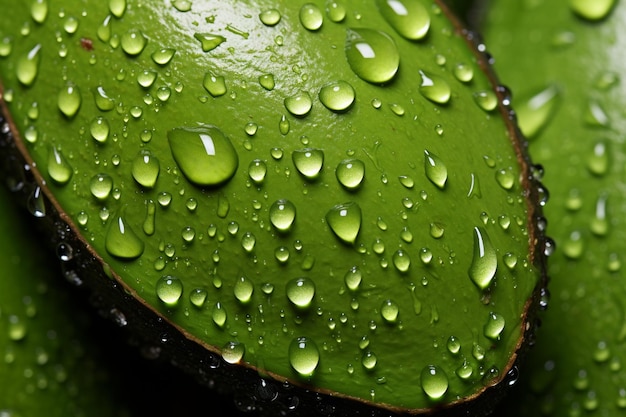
323, 207
562, 61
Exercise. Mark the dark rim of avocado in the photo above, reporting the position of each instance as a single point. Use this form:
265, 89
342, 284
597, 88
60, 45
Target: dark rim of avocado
112, 296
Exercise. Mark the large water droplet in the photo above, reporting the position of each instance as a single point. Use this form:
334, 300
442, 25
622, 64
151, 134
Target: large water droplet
484, 262
39, 10
121, 241
282, 215
145, 169
435, 169
337, 96
434, 382
350, 173
69, 100
308, 162
133, 42
299, 104
233, 352
345, 221
592, 9
494, 326
117, 7
304, 356
59, 168
372, 55
434, 88
204, 154
409, 18
300, 292
27, 66
270, 17
534, 112
311, 16
208, 41
169, 289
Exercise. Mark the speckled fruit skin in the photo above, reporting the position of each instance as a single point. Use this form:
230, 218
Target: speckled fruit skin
175, 142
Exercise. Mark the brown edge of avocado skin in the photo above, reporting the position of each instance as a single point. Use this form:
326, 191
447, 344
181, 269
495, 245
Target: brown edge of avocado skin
254, 389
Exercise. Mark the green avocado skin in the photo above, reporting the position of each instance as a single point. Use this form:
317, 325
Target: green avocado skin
569, 57
367, 229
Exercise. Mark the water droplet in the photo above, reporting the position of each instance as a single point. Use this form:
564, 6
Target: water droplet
204, 154
103, 101
592, 9
169, 289
198, 297
453, 345
70, 25
505, 178
27, 66
283, 127
282, 215
69, 100
573, 246
311, 17
233, 352
335, 11
304, 356
243, 290
17, 328
350, 173
486, 100
133, 42
267, 81
219, 314
59, 168
435, 169
510, 260
299, 104
598, 161
345, 221
215, 85
434, 382
300, 292
39, 10
182, 5
257, 170
434, 88
149, 222
337, 96
401, 260
463, 72
484, 262
146, 78
270, 17
389, 311
145, 169
599, 223
121, 241
99, 129
372, 55
409, 18
6, 46
369, 360
533, 113
251, 128
353, 278
595, 115
163, 56
101, 186
426, 256
308, 162
494, 326
117, 7
209, 41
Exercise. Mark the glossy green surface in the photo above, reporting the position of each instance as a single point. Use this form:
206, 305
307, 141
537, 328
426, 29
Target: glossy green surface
564, 62
371, 240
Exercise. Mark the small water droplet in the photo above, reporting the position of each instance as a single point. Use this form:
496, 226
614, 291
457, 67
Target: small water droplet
573, 246
233, 352
389, 311
101, 186
592, 9
453, 345
434, 88
103, 101
214, 84
70, 25
204, 154
69, 100
133, 42
146, 78
510, 260
308, 162
208, 41
337, 96
117, 7
121, 241
484, 262
267, 81
300, 292
243, 290
282, 215
505, 178
182, 5
409, 18
27, 66
486, 100
595, 115
311, 17
149, 222
163, 56
353, 278
257, 170
463, 72
494, 326
145, 169
99, 129
59, 168
270, 17
465, 371
304, 356
598, 160
372, 55
369, 360
401, 260
534, 112
169, 289
434, 382
335, 11
299, 104
350, 173
345, 221
219, 314
435, 169
599, 223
